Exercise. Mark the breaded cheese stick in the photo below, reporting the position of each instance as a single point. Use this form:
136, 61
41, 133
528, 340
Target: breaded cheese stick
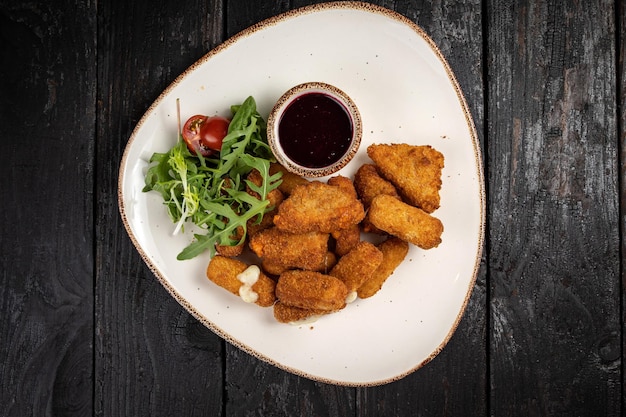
357, 266
285, 250
311, 290
368, 184
319, 207
274, 267
346, 239
406, 222
394, 251
295, 315
239, 278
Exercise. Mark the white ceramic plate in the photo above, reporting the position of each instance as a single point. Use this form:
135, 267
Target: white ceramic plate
405, 92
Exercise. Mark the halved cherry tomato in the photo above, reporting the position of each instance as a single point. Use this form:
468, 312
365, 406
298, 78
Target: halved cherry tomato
205, 134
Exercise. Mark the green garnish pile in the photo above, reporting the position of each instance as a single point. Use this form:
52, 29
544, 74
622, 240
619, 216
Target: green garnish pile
211, 192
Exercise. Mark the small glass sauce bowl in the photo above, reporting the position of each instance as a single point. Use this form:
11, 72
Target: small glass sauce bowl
314, 129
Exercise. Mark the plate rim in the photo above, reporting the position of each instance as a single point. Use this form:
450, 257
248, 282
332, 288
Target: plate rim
272, 21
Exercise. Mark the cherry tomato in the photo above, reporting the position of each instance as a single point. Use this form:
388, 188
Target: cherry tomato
213, 131
204, 134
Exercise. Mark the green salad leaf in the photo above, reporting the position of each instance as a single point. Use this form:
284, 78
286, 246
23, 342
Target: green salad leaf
211, 192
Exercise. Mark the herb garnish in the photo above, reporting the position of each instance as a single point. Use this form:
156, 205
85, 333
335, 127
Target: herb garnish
211, 192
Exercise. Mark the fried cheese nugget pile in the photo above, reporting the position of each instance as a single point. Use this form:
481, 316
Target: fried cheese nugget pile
415, 171
310, 245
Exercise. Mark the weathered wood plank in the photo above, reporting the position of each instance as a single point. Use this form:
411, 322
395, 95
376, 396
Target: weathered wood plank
47, 122
554, 243
554, 139
152, 357
621, 90
455, 382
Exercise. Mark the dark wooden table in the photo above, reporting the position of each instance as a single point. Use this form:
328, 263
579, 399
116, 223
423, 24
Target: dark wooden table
86, 329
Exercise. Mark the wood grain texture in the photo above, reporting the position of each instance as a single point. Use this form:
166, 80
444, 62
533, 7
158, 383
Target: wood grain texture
152, 358
86, 328
621, 91
554, 242
47, 120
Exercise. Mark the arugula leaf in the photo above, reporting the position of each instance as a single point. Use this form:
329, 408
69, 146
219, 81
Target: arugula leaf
211, 192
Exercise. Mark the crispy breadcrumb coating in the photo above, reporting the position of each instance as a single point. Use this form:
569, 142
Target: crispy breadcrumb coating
223, 271
394, 251
284, 250
274, 267
369, 184
346, 239
414, 170
290, 314
406, 222
234, 250
311, 290
358, 265
343, 182
289, 179
318, 207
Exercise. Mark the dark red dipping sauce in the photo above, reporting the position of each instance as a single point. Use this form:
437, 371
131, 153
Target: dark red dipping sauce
315, 130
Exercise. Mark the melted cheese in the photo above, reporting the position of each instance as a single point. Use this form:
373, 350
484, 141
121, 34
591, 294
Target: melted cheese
248, 278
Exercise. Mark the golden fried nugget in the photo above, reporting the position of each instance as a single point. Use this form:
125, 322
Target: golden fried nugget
318, 207
369, 184
414, 170
230, 251
285, 250
346, 239
231, 275
357, 266
272, 268
289, 179
276, 268
394, 251
253, 226
296, 315
311, 290
406, 222
343, 182
234, 250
